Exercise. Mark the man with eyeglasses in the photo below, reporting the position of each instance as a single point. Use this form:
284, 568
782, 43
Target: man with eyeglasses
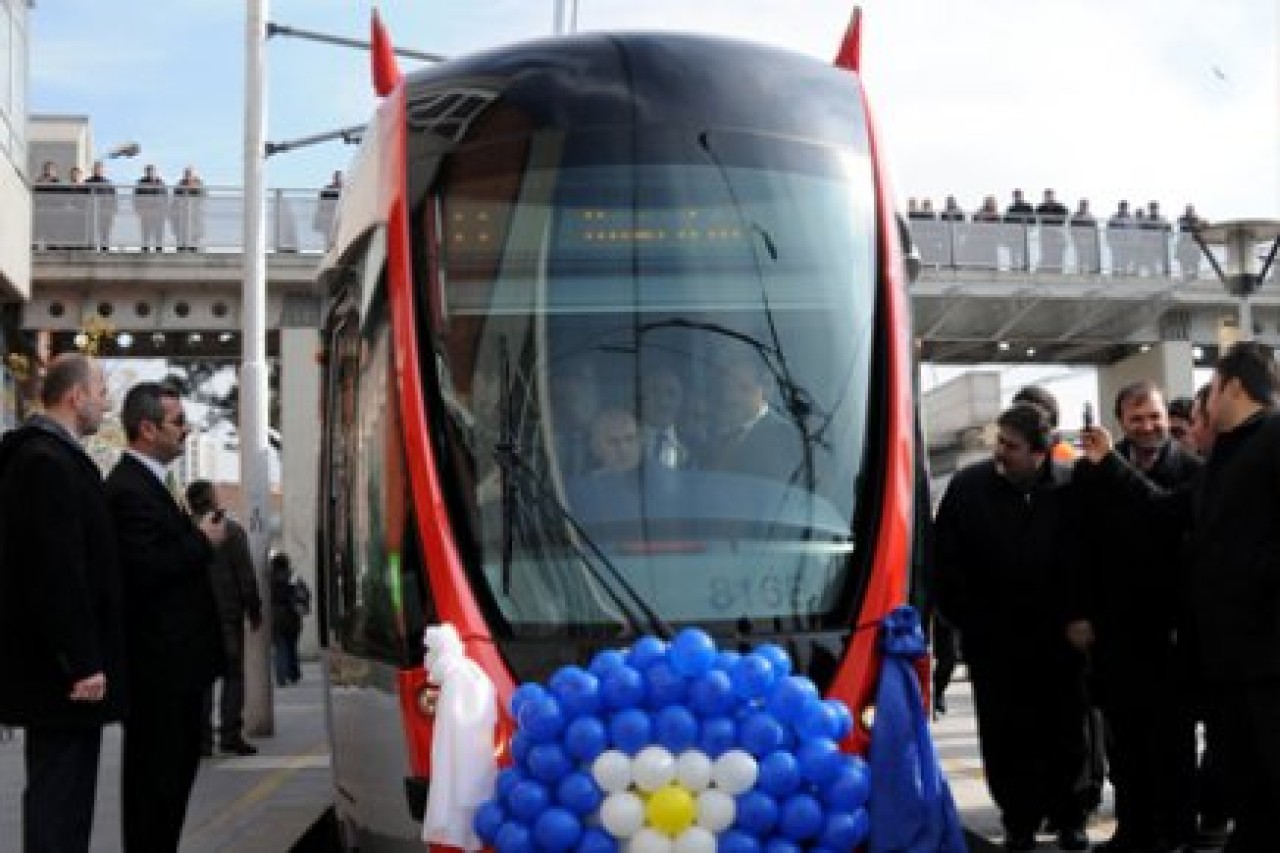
173, 640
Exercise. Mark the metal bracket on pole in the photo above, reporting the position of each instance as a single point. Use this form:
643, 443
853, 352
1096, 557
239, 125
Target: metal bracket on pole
274, 29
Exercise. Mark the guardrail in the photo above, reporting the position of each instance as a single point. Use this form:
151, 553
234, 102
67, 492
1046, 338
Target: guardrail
1057, 249
121, 219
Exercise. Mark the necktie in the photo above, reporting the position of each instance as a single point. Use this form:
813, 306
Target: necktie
665, 451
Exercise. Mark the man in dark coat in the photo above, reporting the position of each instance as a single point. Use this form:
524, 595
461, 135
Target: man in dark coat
235, 590
61, 641
1003, 541
173, 639
1234, 595
1124, 607
753, 439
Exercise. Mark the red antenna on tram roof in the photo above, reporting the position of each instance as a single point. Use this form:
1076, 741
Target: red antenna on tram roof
849, 56
386, 73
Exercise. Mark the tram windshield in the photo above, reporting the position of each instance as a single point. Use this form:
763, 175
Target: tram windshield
653, 358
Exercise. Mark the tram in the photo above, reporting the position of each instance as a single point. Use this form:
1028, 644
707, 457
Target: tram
549, 257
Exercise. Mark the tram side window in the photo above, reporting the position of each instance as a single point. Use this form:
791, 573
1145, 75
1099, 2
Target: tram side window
344, 349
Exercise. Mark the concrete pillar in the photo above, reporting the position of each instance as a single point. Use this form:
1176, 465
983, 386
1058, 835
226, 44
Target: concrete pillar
300, 427
1169, 364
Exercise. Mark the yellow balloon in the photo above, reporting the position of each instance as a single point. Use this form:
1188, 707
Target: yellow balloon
670, 810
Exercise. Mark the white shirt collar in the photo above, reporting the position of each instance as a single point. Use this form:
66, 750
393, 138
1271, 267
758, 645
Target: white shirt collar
151, 465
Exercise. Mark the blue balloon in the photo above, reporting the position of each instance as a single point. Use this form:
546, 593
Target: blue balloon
781, 845
488, 820
726, 659
556, 830
676, 728
579, 793
523, 694
506, 780
789, 697
548, 762
779, 774
817, 720
760, 734
820, 761
843, 718
622, 687
845, 830
513, 838
596, 840
737, 841
848, 792
664, 686
645, 651
527, 800
542, 719
777, 656
752, 675
605, 661
717, 735
801, 817
520, 743
577, 690
630, 730
692, 652
585, 738
757, 813
711, 694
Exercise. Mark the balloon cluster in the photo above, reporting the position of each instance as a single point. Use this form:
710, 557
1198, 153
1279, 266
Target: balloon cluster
678, 748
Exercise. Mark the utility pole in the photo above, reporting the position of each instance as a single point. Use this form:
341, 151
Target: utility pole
254, 455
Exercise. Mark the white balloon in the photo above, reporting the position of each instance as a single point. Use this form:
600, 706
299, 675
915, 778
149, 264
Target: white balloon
716, 810
735, 772
693, 770
652, 768
622, 815
695, 839
612, 771
649, 840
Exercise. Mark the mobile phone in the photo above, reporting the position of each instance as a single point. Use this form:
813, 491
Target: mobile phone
1088, 414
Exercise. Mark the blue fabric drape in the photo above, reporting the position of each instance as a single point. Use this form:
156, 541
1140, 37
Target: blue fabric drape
910, 804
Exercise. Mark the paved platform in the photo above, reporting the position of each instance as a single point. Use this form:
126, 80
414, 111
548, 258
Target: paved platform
259, 804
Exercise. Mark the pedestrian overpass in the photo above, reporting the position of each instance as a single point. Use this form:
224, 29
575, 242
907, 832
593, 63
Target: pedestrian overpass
1137, 304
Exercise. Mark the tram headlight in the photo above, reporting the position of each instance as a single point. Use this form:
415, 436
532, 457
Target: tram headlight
867, 718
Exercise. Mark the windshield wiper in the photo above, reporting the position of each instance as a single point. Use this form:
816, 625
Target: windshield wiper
515, 472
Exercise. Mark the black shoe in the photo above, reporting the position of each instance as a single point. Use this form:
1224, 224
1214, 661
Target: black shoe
1072, 839
1020, 842
939, 704
239, 747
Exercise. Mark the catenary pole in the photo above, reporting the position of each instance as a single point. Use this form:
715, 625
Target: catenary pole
254, 474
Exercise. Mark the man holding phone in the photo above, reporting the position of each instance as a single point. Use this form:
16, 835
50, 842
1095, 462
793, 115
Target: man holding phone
236, 593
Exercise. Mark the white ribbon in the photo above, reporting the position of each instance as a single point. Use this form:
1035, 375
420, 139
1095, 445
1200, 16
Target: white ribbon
463, 768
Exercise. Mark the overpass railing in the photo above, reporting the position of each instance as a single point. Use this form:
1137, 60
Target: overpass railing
74, 216
1057, 249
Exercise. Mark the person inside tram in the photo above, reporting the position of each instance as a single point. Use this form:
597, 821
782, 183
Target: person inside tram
661, 402
575, 401
615, 442
752, 438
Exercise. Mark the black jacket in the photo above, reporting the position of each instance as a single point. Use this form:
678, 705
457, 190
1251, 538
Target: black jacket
1000, 556
235, 589
173, 637
60, 605
1132, 583
1233, 508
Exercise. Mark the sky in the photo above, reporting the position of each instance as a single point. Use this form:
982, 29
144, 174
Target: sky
1170, 100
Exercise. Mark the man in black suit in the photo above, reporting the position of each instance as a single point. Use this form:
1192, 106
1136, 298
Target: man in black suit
172, 633
1234, 590
752, 438
61, 640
